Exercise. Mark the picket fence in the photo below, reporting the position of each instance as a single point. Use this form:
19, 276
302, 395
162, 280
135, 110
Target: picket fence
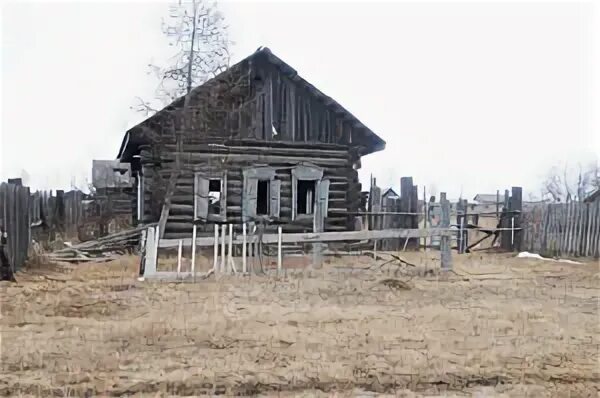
563, 229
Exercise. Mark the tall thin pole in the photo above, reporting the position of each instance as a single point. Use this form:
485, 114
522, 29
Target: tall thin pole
244, 267
223, 235
425, 216
179, 250
279, 256
230, 251
194, 251
497, 204
216, 250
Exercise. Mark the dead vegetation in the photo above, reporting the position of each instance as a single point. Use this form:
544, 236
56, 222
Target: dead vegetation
496, 326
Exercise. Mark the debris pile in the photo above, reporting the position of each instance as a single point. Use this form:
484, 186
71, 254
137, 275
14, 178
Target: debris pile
106, 248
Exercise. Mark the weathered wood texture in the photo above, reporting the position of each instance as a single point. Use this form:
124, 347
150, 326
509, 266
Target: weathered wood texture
311, 237
389, 217
564, 229
14, 220
344, 189
46, 216
259, 112
511, 217
261, 98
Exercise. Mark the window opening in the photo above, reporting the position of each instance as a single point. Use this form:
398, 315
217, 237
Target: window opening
263, 197
306, 196
214, 196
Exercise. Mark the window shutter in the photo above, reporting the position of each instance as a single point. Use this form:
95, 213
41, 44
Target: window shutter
323, 196
201, 197
275, 197
294, 194
249, 198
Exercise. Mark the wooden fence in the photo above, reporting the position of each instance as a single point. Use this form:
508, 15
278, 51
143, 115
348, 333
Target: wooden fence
14, 220
390, 211
563, 229
46, 217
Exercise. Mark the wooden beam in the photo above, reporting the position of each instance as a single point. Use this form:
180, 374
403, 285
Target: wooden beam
164, 214
321, 237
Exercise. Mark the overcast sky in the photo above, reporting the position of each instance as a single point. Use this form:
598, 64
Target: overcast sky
470, 97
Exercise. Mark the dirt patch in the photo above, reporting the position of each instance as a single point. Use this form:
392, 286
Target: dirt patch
494, 326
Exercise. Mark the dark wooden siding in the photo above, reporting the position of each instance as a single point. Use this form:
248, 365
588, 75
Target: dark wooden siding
228, 123
344, 192
251, 101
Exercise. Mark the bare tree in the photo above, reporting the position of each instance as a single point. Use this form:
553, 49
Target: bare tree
571, 183
196, 29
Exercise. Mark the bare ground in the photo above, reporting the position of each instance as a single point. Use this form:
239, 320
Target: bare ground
497, 326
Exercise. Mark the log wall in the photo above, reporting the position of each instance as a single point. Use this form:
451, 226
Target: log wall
344, 191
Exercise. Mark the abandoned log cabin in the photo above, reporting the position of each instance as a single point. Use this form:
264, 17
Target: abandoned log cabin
257, 143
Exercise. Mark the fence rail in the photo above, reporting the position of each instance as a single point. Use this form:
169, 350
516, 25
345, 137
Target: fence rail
566, 229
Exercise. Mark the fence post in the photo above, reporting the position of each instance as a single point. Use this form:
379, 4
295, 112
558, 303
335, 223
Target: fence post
505, 223
425, 216
460, 220
230, 250
194, 231
150, 263
223, 236
179, 249
446, 256
216, 250
279, 255
516, 204
244, 265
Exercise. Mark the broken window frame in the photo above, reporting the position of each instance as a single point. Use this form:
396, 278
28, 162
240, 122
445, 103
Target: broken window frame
252, 175
305, 172
201, 197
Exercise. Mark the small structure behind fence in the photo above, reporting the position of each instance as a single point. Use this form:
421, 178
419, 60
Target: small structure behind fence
563, 229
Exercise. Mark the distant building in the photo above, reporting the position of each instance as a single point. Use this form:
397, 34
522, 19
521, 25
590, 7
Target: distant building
485, 198
390, 194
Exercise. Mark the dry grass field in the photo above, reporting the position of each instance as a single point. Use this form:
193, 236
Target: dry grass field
497, 326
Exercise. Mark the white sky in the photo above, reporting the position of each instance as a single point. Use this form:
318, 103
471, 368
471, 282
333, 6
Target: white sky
470, 97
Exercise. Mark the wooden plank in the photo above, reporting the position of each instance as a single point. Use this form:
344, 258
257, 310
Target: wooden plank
426, 215
572, 222
150, 264
269, 149
446, 256
589, 225
567, 227
517, 205
578, 229
244, 247
596, 229
590, 237
166, 208
558, 229
321, 237
194, 158
268, 110
575, 249
545, 228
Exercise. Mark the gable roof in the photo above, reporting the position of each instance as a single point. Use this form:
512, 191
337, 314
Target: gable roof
390, 191
378, 143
